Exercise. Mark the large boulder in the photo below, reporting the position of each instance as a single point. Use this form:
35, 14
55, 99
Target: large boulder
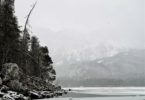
10, 74
10, 71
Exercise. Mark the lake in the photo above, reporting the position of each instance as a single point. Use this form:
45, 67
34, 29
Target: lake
104, 93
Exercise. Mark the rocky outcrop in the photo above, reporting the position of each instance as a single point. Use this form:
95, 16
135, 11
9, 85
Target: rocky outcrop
10, 74
14, 96
10, 71
48, 73
26, 87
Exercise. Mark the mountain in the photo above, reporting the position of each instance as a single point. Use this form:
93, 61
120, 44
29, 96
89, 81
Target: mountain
126, 68
87, 53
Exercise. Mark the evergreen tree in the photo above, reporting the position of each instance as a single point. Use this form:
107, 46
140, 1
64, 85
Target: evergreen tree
46, 59
15, 49
48, 73
25, 41
9, 33
35, 53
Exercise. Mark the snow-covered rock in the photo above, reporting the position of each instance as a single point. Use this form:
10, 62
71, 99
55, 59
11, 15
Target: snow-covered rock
35, 95
11, 95
7, 97
4, 88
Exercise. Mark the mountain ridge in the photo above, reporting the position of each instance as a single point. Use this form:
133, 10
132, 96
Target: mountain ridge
123, 68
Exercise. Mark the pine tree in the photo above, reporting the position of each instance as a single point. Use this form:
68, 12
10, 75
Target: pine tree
46, 59
47, 70
9, 33
15, 49
35, 53
25, 41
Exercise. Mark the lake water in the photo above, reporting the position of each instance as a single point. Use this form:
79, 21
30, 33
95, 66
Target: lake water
104, 93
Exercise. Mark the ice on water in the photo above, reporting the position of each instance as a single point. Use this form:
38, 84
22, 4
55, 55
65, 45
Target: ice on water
107, 93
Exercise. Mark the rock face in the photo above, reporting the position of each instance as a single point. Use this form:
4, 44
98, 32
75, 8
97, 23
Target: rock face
10, 71
10, 74
13, 79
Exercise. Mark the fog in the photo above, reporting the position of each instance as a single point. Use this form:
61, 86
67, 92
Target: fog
75, 24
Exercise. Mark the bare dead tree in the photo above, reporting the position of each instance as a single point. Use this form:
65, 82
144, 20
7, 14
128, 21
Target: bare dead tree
26, 38
27, 22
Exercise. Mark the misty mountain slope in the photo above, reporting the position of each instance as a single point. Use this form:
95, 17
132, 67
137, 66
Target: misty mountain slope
131, 62
121, 69
87, 53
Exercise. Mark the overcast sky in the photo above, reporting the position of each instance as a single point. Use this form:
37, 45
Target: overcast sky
76, 23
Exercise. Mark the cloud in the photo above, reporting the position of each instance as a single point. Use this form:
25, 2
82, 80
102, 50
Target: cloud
120, 22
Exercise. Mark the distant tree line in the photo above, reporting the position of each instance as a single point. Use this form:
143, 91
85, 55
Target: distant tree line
19, 47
